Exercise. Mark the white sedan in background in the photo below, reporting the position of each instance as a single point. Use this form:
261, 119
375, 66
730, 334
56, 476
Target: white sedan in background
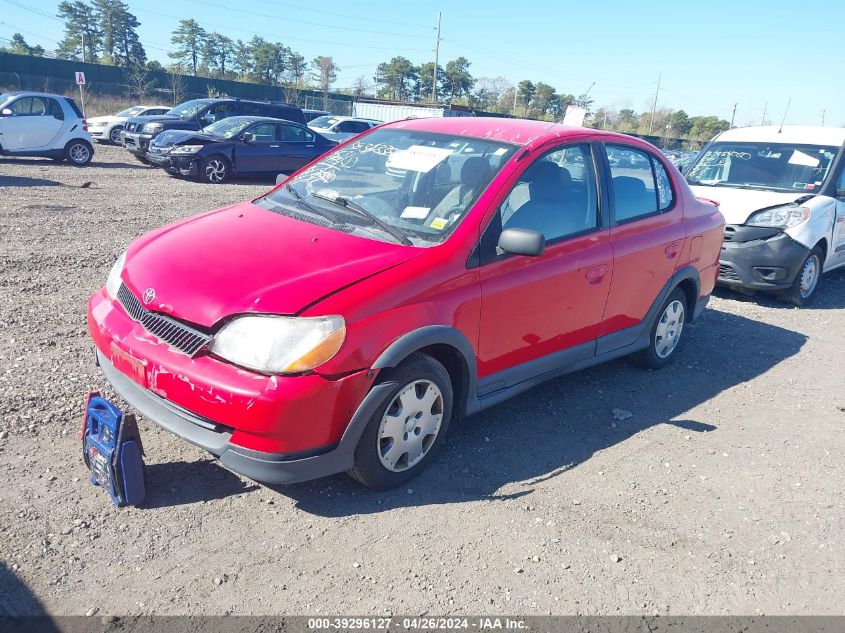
107, 129
341, 128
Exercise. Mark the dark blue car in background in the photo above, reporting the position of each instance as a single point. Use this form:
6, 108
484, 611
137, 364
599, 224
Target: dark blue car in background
237, 146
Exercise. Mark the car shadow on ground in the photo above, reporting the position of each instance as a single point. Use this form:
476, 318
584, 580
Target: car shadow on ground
20, 610
181, 483
23, 181
508, 450
830, 295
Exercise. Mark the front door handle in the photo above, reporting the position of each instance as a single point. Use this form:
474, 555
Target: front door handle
596, 274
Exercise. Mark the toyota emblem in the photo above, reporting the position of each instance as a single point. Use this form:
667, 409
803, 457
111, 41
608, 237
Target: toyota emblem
149, 295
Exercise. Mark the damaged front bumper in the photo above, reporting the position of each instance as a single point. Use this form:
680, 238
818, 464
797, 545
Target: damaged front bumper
272, 429
759, 258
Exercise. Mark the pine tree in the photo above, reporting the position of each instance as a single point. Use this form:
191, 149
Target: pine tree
190, 39
81, 26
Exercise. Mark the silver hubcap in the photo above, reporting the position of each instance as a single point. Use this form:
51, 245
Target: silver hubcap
115, 135
809, 276
410, 425
669, 329
78, 153
215, 170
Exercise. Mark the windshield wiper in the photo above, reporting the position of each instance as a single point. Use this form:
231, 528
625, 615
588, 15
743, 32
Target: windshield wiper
357, 208
331, 217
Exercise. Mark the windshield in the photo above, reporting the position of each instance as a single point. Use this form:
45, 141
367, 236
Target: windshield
226, 128
130, 111
420, 184
188, 109
323, 121
768, 166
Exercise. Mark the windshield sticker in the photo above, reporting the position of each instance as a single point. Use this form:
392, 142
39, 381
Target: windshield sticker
415, 213
438, 224
800, 158
500, 151
419, 158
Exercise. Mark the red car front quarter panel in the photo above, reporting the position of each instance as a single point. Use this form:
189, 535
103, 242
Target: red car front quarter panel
273, 414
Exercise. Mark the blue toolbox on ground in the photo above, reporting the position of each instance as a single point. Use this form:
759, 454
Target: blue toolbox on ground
112, 450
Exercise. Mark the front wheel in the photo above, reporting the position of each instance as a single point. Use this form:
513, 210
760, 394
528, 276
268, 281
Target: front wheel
665, 333
803, 289
114, 135
402, 437
79, 152
214, 169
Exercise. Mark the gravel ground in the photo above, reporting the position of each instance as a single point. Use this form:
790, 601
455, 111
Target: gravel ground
720, 494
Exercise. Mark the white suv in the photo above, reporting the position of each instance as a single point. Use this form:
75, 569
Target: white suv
42, 124
782, 192
108, 129
341, 128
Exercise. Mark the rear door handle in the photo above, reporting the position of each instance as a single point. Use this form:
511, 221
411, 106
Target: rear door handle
596, 274
274, 146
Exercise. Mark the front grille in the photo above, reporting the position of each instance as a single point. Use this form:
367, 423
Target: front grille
178, 335
726, 272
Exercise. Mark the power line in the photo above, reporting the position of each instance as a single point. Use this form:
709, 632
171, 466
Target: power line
288, 20
345, 15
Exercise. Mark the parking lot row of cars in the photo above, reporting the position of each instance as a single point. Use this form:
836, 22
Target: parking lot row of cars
350, 296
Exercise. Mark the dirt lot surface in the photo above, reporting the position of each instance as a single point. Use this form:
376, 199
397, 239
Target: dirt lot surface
720, 494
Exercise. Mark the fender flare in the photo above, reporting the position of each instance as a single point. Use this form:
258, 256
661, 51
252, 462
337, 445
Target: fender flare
426, 336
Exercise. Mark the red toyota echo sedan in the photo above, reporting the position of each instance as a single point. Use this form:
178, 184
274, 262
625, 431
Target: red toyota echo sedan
418, 273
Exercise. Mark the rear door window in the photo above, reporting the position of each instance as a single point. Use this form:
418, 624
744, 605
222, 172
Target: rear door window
633, 183
295, 134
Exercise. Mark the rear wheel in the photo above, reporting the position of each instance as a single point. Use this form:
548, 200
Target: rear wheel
665, 333
806, 282
406, 431
79, 152
214, 169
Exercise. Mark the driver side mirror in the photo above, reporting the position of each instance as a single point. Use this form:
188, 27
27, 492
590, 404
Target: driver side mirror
248, 137
6, 112
522, 242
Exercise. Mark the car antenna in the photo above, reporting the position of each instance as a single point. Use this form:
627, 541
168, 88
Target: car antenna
783, 120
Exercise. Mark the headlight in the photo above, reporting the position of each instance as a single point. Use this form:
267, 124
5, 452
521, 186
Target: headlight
780, 217
153, 128
280, 345
113, 282
186, 149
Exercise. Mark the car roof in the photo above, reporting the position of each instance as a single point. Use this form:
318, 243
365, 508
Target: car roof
515, 131
256, 119
342, 117
32, 93
797, 134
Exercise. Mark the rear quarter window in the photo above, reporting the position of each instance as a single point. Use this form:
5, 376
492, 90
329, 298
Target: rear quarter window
73, 107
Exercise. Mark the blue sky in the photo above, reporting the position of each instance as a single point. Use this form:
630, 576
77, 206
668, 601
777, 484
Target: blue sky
710, 55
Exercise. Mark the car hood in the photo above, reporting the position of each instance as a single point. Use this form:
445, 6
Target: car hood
737, 205
177, 137
247, 259
156, 118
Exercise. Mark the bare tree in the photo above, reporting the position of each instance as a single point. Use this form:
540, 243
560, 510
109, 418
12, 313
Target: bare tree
140, 82
361, 86
177, 87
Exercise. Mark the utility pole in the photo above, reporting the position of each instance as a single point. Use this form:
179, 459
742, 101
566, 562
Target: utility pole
823, 113
765, 107
733, 115
436, 59
654, 105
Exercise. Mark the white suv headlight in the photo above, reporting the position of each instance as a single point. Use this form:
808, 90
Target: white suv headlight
280, 345
113, 282
780, 217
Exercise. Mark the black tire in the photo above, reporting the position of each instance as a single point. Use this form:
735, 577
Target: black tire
114, 135
79, 152
412, 373
798, 294
141, 159
657, 355
215, 169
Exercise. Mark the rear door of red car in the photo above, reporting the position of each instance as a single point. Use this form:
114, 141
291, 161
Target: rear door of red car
535, 307
647, 235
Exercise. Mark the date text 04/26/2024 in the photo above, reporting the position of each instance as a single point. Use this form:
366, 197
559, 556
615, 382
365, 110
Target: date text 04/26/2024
416, 624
